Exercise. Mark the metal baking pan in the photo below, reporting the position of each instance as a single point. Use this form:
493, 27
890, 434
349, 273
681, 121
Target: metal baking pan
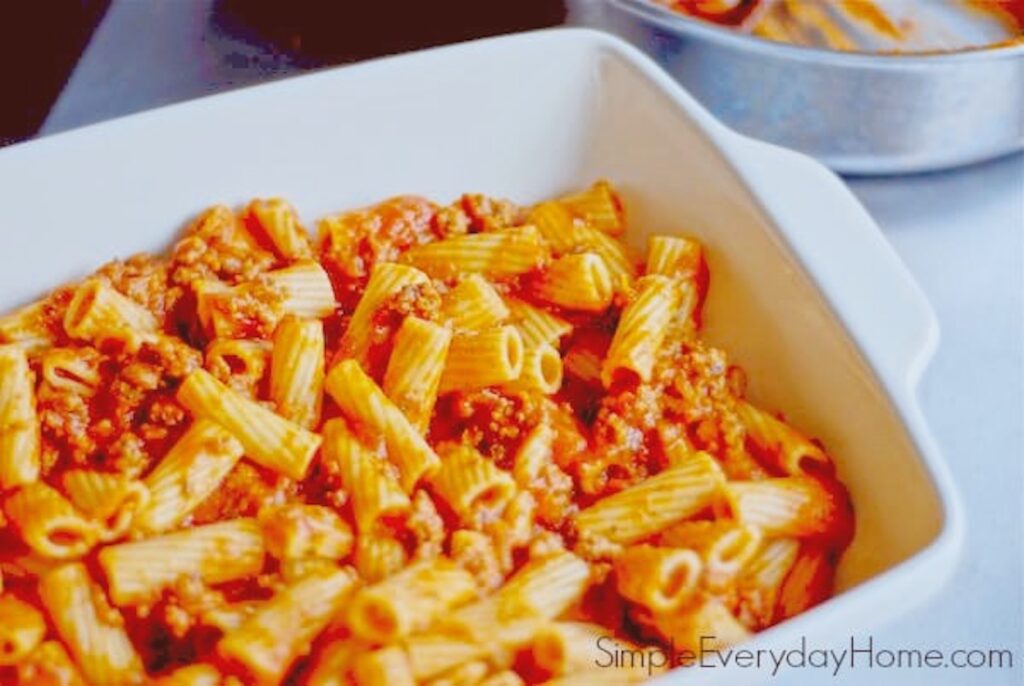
859, 113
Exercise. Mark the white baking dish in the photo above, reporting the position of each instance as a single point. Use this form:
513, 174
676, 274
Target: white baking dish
806, 294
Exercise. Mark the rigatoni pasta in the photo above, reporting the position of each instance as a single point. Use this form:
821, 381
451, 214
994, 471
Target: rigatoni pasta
580, 281
379, 556
471, 484
22, 629
673, 256
279, 223
498, 255
410, 600
537, 325
373, 489
138, 571
281, 630
268, 438
110, 501
238, 363
190, 471
541, 372
598, 206
789, 506
364, 402
650, 506
27, 328
414, 371
48, 664
93, 631
305, 532
480, 359
49, 524
19, 423
433, 654
562, 649
387, 281
100, 314
297, 370
641, 330
473, 444
781, 444
474, 304
306, 290
659, 579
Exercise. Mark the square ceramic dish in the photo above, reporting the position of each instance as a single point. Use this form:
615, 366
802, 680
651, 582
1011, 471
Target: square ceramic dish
806, 294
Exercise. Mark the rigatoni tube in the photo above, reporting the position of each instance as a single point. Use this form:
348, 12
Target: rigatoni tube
98, 313
472, 485
384, 667
281, 630
21, 630
268, 438
279, 222
548, 586
674, 256
535, 324
599, 206
367, 478
239, 363
473, 304
378, 557
641, 330
190, 471
652, 504
214, 553
542, 371
414, 370
619, 261
297, 370
580, 281
299, 531
479, 360
306, 290
93, 631
363, 401
110, 500
48, 523
27, 327
779, 444
761, 580
410, 600
19, 423
432, 654
556, 223
386, 281
582, 648
791, 506
497, 254
660, 579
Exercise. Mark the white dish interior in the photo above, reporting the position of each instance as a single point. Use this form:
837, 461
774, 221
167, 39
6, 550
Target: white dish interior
805, 294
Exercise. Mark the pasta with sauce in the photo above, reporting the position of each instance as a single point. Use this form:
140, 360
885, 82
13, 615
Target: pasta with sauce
455, 444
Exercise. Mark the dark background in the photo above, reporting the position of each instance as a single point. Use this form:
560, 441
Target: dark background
42, 40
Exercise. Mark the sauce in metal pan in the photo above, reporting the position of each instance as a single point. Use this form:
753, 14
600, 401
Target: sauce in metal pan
881, 26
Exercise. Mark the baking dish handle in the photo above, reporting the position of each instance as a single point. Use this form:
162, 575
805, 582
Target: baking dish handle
838, 243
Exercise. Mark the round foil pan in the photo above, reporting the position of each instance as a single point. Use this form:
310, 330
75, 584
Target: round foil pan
858, 113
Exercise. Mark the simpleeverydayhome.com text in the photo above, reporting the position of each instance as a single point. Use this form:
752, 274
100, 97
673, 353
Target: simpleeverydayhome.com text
856, 654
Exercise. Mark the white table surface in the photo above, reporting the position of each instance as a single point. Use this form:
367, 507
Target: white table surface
961, 233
